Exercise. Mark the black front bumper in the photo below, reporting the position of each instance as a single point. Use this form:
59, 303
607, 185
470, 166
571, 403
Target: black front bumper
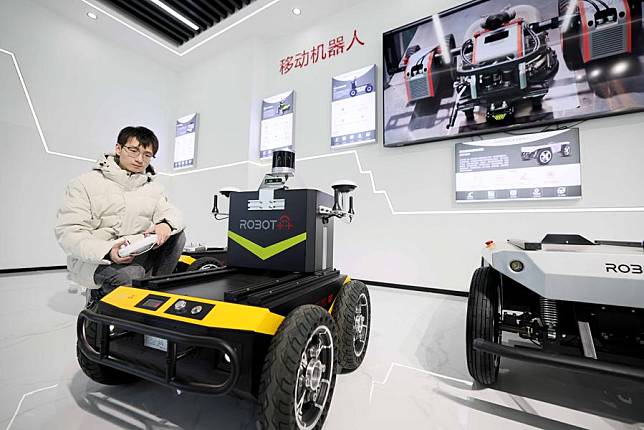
169, 376
561, 361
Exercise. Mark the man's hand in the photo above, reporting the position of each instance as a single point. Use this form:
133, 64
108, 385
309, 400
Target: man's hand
162, 230
114, 253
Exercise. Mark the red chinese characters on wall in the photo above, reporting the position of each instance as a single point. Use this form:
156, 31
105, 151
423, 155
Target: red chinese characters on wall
320, 52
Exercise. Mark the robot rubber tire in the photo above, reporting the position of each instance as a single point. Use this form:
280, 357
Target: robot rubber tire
298, 376
544, 156
205, 263
483, 313
352, 315
98, 372
566, 150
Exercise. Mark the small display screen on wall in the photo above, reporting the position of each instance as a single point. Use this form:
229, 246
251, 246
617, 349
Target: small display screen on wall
526, 167
185, 141
277, 123
353, 108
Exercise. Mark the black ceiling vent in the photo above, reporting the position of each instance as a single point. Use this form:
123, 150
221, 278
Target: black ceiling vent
202, 13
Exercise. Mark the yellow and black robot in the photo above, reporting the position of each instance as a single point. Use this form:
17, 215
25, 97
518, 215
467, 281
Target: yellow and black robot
275, 324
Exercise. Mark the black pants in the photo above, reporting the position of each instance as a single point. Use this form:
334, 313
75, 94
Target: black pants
157, 262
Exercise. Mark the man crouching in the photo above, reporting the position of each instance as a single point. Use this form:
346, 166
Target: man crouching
119, 202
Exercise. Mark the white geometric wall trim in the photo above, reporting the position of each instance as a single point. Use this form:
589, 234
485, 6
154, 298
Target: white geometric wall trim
222, 166
24, 396
353, 153
33, 112
192, 48
473, 211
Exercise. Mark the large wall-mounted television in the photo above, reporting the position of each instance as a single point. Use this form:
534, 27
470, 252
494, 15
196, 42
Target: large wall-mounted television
494, 65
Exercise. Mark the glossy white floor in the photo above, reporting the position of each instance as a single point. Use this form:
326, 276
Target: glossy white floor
414, 377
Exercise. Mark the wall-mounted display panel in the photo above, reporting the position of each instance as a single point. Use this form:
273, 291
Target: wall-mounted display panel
278, 113
491, 65
353, 108
185, 141
526, 167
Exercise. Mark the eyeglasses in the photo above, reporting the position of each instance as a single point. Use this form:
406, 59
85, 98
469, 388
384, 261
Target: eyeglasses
135, 151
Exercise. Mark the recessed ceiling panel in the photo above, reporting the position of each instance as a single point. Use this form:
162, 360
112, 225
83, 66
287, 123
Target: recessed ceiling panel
178, 21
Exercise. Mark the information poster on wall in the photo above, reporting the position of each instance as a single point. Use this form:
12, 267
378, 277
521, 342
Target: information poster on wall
353, 108
277, 124
526, 167
185, 141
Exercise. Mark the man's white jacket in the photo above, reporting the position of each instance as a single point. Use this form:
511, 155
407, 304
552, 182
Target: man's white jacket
104, 205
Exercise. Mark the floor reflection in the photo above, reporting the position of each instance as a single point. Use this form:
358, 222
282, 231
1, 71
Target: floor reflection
149, 406
606, 396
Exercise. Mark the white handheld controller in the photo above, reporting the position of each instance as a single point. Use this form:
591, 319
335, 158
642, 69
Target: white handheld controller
138, 247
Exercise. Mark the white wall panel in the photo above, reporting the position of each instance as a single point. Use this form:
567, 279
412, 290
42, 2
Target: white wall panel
83, 98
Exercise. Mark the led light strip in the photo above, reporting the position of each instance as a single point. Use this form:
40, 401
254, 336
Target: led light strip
207, 169
335, 154
136, 30
435, 212
33, 113
175, 14
24, 396
464, 212
174, 51
464, 382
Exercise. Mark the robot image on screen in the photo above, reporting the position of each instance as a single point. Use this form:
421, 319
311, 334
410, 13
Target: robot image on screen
493, 65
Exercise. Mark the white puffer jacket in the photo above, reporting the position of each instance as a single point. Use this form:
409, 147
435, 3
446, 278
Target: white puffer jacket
104, 205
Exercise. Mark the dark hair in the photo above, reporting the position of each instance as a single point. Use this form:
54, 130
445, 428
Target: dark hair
145, 136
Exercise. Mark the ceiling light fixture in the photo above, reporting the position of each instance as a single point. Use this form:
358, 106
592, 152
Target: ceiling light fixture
169, 48
297, 11
92, 15
175, 14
